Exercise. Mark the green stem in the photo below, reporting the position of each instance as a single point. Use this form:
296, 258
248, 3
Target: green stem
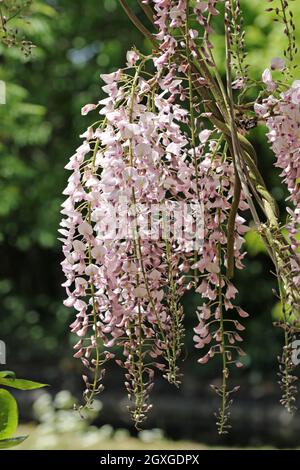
191, 104
231, 225
92, 289
236, 154
223, 344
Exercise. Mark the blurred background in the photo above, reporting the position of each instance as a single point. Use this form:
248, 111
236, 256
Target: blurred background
39, 130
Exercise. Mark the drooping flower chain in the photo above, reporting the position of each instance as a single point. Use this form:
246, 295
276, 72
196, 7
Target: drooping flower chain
149, 150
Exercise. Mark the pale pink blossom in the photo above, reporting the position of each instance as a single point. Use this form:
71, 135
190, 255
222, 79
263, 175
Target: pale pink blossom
278, 63
87, 108
132, 58
268, 80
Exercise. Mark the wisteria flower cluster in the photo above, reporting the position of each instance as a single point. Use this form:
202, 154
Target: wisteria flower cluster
282, 117
159, 199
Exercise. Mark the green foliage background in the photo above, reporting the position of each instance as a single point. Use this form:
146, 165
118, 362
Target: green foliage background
39, 130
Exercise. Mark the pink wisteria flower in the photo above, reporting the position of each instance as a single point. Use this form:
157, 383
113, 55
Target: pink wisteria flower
132, 58
278, 63
283, 120
126, 289
268, 80
87, 108
158, 201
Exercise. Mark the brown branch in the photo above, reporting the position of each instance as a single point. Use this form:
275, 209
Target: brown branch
137, 23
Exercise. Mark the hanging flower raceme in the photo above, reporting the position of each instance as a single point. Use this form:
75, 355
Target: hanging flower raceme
155, 205
284, 135
219, 329
126, 285
282, 117
130, 168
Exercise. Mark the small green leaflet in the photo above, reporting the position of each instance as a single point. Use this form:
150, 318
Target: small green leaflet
14, 441
20, 384
7, 374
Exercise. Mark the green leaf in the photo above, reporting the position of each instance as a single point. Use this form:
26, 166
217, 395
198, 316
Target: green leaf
33, 109
43, 9
277, 314
21, 384
7, 373
254, 243
8, 415
14, 441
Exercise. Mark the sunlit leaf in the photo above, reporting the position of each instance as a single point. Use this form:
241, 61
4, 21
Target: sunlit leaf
7, 374
8, 414
21, 384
